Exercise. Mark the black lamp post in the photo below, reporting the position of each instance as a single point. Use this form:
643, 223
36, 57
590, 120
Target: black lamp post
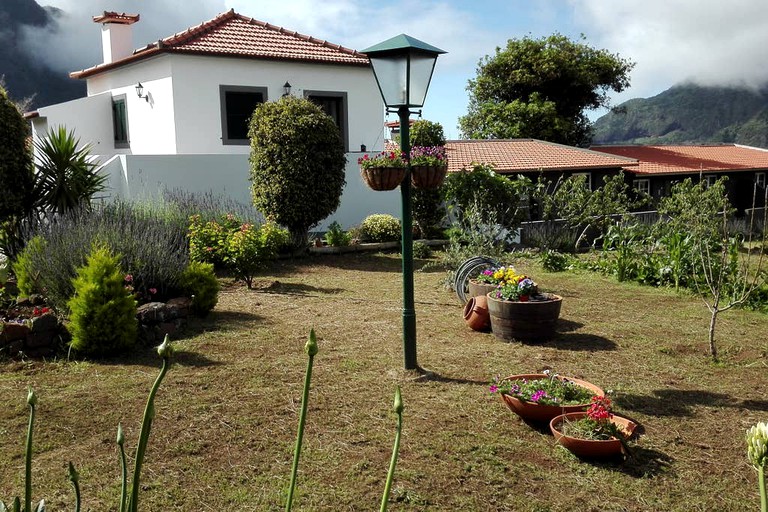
403, 68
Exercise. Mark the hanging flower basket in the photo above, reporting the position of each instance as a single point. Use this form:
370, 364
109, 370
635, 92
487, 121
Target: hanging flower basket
384, 171
428, 176
429, 165
383, 178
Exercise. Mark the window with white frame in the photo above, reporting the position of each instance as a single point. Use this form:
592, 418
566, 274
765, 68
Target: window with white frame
709, 180
237, 106
642, 185
760, 179
587, 178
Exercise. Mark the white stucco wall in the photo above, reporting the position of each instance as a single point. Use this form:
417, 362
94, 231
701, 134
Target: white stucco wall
90, 118
143, 177
151, 128
197, 97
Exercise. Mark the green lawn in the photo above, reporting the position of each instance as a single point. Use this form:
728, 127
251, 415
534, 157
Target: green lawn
228, 409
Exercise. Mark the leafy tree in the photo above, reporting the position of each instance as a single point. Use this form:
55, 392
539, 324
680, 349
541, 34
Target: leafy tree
297, 164
726, 278
66, 172
582, 209
540, 88
16, 172
428, 208
499, 200
427, 133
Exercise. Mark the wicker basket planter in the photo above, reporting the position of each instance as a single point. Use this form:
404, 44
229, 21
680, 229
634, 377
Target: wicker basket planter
383, 178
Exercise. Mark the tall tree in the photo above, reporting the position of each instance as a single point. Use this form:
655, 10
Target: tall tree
541, 88
297, 164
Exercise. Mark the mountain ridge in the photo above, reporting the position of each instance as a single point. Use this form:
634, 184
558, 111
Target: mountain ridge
689, 114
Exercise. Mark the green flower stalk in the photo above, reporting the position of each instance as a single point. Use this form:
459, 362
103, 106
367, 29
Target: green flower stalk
123, 468
398, 408
74, 479
311, 349
165, 350
32, 402
757, 454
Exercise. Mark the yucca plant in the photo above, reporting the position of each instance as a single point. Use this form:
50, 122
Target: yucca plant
66, 172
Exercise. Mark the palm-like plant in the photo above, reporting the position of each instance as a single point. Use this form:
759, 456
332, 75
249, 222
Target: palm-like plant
66, 177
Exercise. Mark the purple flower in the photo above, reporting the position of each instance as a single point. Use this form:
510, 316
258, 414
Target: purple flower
494, 388
515, 389
538, 395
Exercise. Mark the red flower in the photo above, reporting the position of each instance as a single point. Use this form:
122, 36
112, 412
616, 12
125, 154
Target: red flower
600, 409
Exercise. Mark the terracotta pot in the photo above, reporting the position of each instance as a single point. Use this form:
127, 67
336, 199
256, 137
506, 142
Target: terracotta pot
532, 320
476, 288
476, 313
588, 448
427, 176
540, 413
383, 178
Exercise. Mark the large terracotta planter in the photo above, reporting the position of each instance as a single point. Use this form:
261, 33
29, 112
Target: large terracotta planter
540, 413
587, 448
427, 176
383, 178
476, 288
531, 320
476, 313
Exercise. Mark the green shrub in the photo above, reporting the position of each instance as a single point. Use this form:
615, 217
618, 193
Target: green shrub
554, 261
15, 161
154, 251
427, 133
380, 227
103, 312
421, 250
276, 239
250, 247
337, 237
199, 282
209, 240
428, 212
27, 276
297, 164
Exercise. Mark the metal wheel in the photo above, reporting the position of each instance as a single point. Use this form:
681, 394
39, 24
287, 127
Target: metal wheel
469, 269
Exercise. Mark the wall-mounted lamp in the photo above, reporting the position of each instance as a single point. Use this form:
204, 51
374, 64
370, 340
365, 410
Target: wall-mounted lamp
140, 92
286, 89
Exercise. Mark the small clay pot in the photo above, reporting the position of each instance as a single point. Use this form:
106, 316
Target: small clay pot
476, 313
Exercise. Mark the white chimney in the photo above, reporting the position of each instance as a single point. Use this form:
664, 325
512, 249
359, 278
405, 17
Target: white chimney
116, 35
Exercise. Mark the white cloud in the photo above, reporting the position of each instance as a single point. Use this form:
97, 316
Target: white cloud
709, 42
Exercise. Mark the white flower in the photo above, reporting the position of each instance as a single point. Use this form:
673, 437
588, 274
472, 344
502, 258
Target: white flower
757, 445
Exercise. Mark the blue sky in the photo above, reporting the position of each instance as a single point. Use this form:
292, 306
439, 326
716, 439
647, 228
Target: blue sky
706, 41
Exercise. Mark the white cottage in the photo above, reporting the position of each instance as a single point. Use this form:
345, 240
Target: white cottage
173, 114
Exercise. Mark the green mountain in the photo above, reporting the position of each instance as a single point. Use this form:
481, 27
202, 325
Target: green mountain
23, 74
689, 114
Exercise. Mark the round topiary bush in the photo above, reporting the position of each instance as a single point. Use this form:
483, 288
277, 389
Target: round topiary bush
297, 164
427, 133
380, 227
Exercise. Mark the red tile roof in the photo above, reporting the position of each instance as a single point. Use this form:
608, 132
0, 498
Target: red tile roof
233, 35
520, 155
690, 159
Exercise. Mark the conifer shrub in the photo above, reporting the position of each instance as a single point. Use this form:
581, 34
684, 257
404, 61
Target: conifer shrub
103, 312
27, 276
380, 227
199, 282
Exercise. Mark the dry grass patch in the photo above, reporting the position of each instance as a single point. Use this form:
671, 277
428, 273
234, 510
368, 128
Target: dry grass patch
228, 409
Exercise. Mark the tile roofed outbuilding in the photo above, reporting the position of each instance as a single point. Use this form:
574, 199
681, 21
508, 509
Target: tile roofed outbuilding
233, 35
687, 159
521, 155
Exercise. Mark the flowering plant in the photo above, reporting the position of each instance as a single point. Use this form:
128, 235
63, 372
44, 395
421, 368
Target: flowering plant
432, 156
383, 159
757, 454
551, 390
597, 425
511, 285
